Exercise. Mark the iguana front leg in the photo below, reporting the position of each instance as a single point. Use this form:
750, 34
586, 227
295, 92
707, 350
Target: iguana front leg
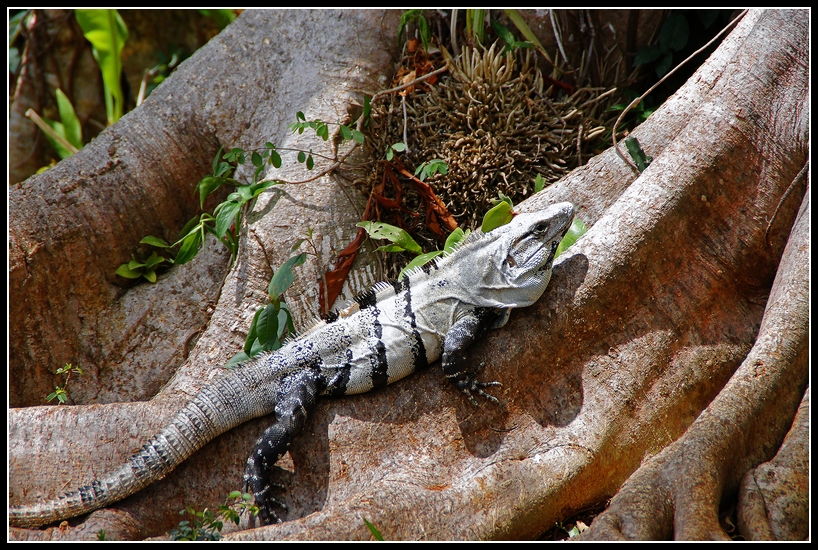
296, 398
468, 328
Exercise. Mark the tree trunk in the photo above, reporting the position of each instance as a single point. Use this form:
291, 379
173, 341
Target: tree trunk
655, 335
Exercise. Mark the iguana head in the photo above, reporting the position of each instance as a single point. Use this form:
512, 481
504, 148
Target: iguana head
511, 265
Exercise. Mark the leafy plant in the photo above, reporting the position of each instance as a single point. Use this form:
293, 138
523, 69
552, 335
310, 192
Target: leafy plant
403, 242
206, 525
64, 136
500, 214
59, 391
395, 148
511, 43
107, 32
274, 322
416, 16
539, 183
136, 269
432, 167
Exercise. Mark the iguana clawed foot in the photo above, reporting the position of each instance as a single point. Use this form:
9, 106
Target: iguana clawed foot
468, 384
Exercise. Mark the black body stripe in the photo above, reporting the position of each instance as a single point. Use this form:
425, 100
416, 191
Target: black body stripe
418, 348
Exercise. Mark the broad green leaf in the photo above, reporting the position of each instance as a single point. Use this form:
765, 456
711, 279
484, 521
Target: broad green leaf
127, 272
154, 241
539, 183
267, 325
577, 229
358, 137
419, 261
302, 156
275, 159
150, 275
663, 67
226, 216
396, 235
106, 31
399, 146
153, 260
283, 278
310, 163
500, 215
208, 185
70, 122
256, 159
454, 238
135, 264
346, 133
251, 335
189, 248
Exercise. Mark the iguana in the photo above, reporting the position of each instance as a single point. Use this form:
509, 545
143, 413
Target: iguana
388, 333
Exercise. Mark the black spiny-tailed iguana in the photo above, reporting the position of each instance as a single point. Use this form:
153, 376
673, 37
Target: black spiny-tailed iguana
390, 332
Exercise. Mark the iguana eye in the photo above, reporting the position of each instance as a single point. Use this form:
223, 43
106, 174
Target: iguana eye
510, 261
541, 227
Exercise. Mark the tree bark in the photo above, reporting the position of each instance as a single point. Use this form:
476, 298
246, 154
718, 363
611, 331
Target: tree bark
651, 332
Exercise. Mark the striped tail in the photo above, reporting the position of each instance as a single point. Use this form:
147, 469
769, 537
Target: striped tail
226, 403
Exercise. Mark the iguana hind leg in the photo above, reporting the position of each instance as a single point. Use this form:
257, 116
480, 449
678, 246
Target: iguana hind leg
296, 398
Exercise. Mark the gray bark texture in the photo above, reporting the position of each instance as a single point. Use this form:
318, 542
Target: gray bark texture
670, 353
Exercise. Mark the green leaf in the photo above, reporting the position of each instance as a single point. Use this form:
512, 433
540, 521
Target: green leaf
208, 185
226, 217
454, 238
150, 275
637, 154
240, 357
70, 122
310, 163
62, 151
135, 264
153, 260
374, 530
154, 241
127, 272
107, 32
267, 326
396, 235
189, 248
283, 278
346, 133
251, 334
256, 159
419, 261
302, 156
358, 137
539, 183
399, 146
275, 159
390, 153
577, 229
675, 33
322, 131
499, 215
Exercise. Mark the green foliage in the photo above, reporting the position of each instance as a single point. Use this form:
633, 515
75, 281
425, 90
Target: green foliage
500, 214
206, 525
273, 323
539, 183
102, 535
511, 43
106, 31
476, 25
416, 16
68, 128
395, 148
147, 269
403, 242
222, 17
432, 167
577, 229
637, 154
374, 530
60, 392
